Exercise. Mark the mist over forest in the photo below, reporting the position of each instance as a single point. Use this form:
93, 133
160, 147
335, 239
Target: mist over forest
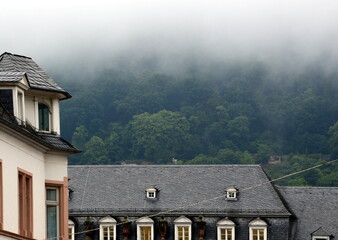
213, 113
203, 82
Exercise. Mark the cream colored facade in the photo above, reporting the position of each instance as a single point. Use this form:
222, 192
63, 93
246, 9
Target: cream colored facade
17, 154
33, 161
25, 105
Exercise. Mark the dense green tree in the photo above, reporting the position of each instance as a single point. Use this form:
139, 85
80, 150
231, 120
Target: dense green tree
160, 136
203, 159
238, 130
333, 140
96, 152
80, 137
264, 152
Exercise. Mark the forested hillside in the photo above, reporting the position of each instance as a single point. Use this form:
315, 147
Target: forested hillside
239, 113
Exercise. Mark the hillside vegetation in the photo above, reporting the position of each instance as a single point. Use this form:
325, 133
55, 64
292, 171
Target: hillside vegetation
228, 114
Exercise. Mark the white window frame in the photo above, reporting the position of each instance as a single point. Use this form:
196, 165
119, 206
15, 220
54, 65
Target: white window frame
71, 227
225, 224
20, 109
38, 119
151, 192
320, 237
182, 222
231, 193
56, 204
258, 224
145, 222
110, 223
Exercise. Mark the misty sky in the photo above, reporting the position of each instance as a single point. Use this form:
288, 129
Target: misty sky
88, 34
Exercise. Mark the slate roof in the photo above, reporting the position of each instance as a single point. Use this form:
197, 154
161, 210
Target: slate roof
53, 142
37, 78
316, 208
11, 76
119, 189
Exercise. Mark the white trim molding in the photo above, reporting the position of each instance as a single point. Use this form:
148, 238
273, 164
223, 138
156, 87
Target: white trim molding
257, 229
107, 228
182, 228
151, 192
225, 227
145, 224
231, 193
71, 230
320, 237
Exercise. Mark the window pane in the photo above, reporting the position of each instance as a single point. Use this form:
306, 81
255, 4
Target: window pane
223, 234
111, 233
255, 234
261, 234
6, 98
51, 194
145, 233
183, 233
70, 233
51, 221
43, 117
229, 234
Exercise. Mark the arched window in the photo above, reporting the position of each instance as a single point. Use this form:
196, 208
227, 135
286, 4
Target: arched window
43, 117
145, 228
258, 230
182, 228
71, 230
225, 229
107, 228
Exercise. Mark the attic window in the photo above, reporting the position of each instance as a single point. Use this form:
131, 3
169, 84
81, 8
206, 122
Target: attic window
43, 117
151, 192
6, 99
231, 193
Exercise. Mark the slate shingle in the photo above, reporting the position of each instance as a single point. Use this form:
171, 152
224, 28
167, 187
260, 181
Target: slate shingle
122, 189
37, 78
11, 76
314, 207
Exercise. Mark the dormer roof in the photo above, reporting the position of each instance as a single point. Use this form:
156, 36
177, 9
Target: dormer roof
13, 66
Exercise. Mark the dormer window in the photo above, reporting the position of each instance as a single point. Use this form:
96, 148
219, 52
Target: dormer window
321, 234
43, 117
231, 193
151, 192
145, 228
258, 230
107, 228
6, 99
225, 229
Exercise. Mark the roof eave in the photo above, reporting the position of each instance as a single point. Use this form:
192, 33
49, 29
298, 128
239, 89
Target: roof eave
29, 137
64, 94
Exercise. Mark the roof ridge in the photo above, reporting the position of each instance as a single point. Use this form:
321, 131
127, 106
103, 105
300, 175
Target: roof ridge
168, 166
306, 187
16, 55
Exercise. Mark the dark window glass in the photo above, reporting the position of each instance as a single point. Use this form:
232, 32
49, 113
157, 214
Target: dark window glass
6, 99
43, 117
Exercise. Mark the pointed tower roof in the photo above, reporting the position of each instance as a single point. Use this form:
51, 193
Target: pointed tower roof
37, 78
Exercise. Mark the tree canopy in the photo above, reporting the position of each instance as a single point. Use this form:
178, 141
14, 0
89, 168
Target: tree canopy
239, 113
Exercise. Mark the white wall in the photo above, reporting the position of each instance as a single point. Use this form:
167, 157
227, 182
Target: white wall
16, 154
56, 167
30, 109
